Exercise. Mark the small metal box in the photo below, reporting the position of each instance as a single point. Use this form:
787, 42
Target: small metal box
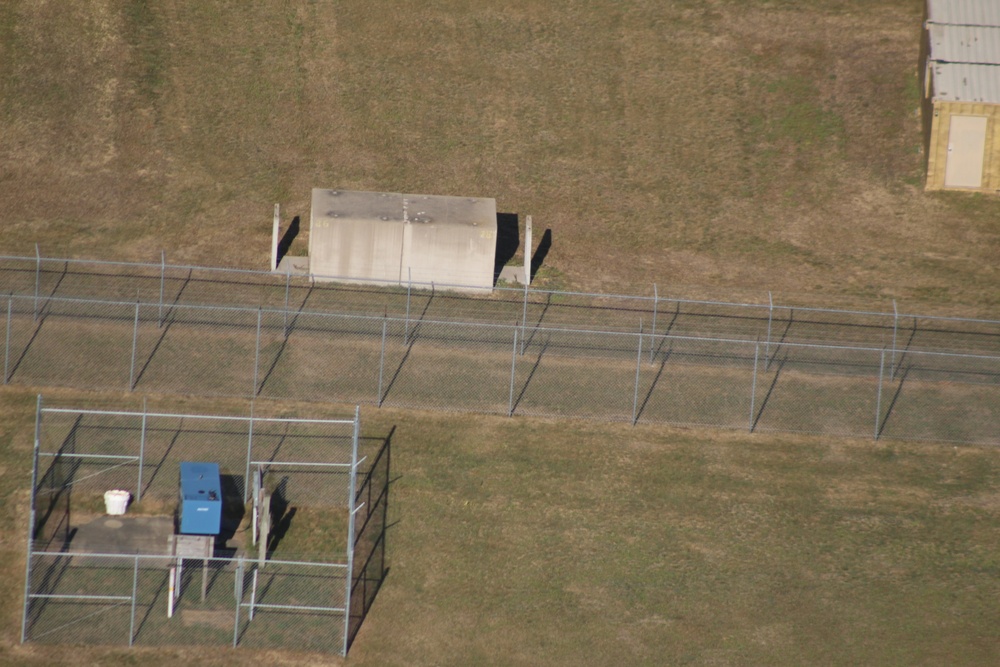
201, 499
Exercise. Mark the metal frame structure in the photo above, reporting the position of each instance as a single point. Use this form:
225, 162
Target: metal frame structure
41, 590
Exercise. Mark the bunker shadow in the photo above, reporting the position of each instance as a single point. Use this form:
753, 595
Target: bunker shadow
541, 252
508, 241
286, 239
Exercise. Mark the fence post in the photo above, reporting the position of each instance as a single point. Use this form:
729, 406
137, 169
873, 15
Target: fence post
238, 593
256, 356
38, 277
524, 317
246, 476
31, 518
142, 450
753, 385
767, 343
274, 237
878, 400
638, 364
135, 343
513, 364
288, 280
163, 276
895, 326
381, 363
652, 330
351, 511
6, 346
406, 324
135, 588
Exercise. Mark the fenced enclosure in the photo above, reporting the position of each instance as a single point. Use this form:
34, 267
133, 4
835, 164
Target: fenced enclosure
306, 585
759, 366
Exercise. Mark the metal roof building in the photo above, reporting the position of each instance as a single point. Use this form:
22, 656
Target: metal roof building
961, 94
964, 12
395, 238
964, 44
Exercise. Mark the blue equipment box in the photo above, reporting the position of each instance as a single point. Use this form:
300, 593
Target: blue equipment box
201, 499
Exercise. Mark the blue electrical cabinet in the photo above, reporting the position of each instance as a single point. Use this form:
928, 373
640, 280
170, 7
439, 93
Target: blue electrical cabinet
201, 499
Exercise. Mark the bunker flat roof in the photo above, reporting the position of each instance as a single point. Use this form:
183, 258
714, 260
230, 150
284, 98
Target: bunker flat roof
964, 12
965, 44
963, 82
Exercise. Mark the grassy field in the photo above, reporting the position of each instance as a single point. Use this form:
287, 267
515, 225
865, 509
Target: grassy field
525, 542
697, 144
713, 147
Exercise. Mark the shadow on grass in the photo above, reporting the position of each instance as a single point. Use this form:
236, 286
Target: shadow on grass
286, 239
370, 569
770, 391
895, 398
541, 252
508, 241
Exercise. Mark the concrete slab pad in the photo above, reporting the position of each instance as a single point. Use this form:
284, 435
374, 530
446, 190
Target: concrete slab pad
296, 266
123, 535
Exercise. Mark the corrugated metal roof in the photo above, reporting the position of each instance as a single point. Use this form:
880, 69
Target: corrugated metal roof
965, 44
962, 82
964, 12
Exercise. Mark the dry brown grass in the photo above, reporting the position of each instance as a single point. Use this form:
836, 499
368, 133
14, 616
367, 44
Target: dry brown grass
696, 144
704, 145
522, 541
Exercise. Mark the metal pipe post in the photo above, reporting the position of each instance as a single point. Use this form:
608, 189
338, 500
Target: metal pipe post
381, 363
638, 364
524, 317
767, 343
238, 593
163, 276
288, 280
31, 518
406, 324
513, 365
878, 400
135, 344
351, 490
142, 450
38, 277
895, 327
135, 588
253, 591
652, 330
274, 237
256, 356
753, 385
246, 477
6, 346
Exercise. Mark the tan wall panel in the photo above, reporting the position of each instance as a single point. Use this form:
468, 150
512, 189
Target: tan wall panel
937, 151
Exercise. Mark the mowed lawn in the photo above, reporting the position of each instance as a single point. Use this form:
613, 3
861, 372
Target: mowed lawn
526, 542
718, 148
713, 147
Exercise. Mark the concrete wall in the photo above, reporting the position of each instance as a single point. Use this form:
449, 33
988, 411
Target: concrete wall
366, 236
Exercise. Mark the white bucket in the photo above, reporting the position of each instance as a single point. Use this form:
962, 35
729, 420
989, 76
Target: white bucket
116, 501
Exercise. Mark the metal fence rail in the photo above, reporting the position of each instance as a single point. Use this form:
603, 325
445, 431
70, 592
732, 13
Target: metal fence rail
765, 318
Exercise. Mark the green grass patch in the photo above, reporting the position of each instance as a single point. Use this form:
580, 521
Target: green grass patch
578, 543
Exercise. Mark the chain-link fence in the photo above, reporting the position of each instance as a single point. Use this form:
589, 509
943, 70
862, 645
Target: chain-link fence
772, 384
94, 578
760, 366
